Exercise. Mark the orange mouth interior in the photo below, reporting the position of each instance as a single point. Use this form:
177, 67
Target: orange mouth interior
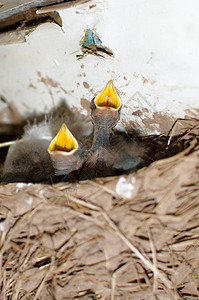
108, 97
64, 141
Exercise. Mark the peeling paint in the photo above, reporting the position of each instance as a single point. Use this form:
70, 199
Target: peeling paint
92, 44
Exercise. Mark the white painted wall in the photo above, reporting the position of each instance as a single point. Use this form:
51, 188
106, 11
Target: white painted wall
155, 63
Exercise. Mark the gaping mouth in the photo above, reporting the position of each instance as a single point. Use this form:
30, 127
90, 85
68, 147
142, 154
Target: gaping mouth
108, 97
63, 142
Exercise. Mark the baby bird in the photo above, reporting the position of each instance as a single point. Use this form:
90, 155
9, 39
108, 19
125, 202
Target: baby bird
111, 153
52, 152
38, 156
105, 114
65, 152
27, 160
68, 155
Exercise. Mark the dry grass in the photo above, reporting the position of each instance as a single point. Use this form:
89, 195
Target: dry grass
93, 240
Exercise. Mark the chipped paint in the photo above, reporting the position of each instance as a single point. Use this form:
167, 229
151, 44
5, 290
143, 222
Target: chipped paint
92, 44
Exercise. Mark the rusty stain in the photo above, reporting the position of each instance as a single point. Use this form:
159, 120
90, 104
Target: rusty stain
48, 81
14, 114
145, 110
86, 85
159, 121
2, 113
85, 103
135, 74
63, 90
193, 112
11, 111
124, 77
82, 66
132, 124
140, 113
144, 80
52, 82
120, 92
164, 121
92, 6
4, 100
32, 86
137, 113
78, 110
25, 105
39, 74
45, 81
150, 58
152, 82
84, 74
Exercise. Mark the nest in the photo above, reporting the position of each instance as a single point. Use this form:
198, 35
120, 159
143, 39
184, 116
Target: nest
125, 237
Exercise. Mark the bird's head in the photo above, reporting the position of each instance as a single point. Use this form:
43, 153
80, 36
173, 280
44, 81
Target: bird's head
65, 152
105, 107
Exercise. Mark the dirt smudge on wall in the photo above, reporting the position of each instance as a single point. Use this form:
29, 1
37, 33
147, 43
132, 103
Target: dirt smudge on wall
144, 80
192, 112
85, 104
48, 81
164, 121
86, 85
11, 112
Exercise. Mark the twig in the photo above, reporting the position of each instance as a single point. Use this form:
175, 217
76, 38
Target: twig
84, 203
148, 263
7, 144
44, 279
154, 256
113, 286
104, 188
136, 251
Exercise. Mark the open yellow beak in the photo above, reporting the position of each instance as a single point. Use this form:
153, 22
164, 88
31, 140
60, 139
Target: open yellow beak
108, 97
63, 142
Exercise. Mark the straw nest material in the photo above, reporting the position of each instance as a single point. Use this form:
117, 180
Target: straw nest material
127, 237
